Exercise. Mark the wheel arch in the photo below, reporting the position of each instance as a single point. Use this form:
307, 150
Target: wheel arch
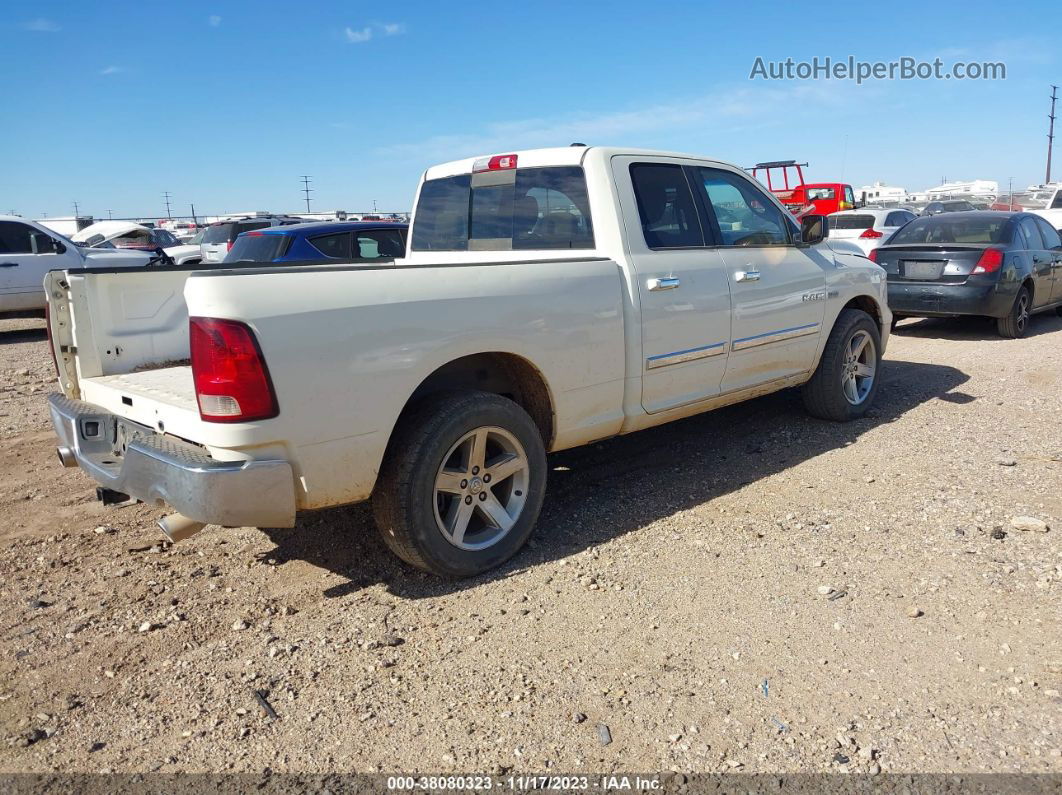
497, 372
867, 304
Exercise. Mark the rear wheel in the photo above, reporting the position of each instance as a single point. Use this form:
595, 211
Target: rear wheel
846, 380
462, 483
1016, 322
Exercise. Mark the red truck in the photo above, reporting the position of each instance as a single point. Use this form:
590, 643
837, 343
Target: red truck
802, 197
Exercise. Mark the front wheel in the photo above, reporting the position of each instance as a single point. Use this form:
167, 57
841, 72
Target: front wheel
462, 483
1016, 322
846, 380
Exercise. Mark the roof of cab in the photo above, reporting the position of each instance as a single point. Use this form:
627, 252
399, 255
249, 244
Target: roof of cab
557, 156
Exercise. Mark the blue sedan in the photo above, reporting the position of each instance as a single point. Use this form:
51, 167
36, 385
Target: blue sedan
321, 242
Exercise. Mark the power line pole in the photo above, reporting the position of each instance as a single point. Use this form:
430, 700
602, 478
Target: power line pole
166, 196
194, 219
306, 189
76, 214
1051, 131
110, 215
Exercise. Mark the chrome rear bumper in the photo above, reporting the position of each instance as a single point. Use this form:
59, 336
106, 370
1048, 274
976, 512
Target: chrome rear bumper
135, 460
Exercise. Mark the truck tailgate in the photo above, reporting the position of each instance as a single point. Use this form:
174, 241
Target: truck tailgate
163, 399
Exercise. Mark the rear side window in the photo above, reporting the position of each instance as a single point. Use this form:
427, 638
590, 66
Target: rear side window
257, 248
1032, 233
15, 238
1050, 234
896, 219
336, 245
665, 206
521, 209
851, 221
380, 244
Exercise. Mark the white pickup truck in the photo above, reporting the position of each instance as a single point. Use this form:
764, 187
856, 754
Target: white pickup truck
28, 250
549, 298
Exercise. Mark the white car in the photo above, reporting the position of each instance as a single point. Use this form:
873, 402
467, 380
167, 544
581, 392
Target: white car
549, 298
28, 250
128, 235
867, 227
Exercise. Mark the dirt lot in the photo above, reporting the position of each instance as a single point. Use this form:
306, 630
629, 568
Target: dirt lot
750, 590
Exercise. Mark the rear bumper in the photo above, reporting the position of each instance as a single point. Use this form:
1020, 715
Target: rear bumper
922, 299
161, 469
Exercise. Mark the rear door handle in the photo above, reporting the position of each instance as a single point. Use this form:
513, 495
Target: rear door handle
8, 264
664, 283
747, 276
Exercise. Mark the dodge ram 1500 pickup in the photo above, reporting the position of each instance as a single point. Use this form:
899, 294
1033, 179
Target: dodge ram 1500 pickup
549, 298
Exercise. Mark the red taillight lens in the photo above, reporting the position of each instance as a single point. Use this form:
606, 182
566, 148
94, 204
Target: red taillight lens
496, 163
231, 380
991, 261
873, 255
871, 234
228, 246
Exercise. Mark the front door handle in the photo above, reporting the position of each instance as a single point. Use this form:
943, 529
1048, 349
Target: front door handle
747, 276
8, 264
664, 283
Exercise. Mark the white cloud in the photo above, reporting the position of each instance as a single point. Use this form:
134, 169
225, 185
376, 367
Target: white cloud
358, 36
41, 25
725, 111
393, 28
214, 20
110, 70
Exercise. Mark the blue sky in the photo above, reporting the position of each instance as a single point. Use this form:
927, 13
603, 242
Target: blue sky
225, 104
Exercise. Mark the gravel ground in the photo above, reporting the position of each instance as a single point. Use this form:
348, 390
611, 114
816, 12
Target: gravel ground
746, 590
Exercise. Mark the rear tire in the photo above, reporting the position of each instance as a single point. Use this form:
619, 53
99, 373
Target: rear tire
1016, 322
846, 381
462, 483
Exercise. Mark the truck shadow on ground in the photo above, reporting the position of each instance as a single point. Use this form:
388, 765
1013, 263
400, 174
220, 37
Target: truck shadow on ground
980, 329
14, 336
610, 488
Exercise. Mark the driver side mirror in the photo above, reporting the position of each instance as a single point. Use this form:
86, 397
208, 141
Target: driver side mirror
814, 229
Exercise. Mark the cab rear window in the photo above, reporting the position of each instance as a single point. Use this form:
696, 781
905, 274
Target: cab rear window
522, 209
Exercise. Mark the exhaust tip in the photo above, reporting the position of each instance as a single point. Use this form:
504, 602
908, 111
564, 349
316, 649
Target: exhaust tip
66, 457
177, 527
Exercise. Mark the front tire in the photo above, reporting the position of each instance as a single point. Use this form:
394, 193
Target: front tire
846, 381
1015, 323
462, 483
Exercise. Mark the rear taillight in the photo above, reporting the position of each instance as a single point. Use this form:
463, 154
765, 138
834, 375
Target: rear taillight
871, 234
873, 255
991, 261
232, 382
228, 246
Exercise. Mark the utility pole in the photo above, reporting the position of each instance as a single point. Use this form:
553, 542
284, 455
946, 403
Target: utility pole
75, 211
374, 206
1010, 190
1051, 131
306, 189
166, 196
110, 215
194, 220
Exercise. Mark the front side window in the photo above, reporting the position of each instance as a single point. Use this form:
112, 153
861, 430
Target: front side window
666, 206
15, 238
502, 210
746, 217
